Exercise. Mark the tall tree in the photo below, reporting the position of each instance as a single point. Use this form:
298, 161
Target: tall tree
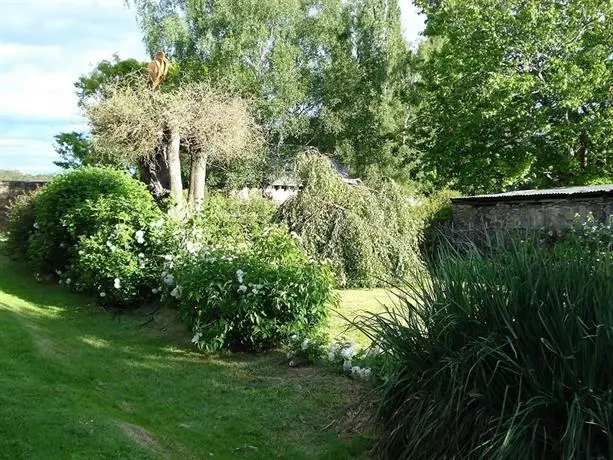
326, 73
517, 93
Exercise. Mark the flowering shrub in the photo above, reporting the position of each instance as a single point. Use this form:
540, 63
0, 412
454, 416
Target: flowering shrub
82, 202
306, 348
253, 298
120, 265
99, 230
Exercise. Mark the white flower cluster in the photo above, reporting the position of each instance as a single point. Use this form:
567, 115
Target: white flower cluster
139, 236
196, 338
345, 353
176, 292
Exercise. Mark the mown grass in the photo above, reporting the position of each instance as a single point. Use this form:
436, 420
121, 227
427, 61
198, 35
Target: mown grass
81, 383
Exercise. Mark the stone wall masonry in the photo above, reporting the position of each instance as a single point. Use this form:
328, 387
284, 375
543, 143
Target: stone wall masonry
9, 190
554, 214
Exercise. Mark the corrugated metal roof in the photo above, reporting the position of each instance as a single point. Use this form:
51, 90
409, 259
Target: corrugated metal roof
552, 193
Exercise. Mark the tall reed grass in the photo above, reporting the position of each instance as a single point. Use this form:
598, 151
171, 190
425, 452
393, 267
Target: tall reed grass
500, 354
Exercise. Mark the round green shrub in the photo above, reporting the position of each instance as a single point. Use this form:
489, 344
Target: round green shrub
80, 203
252, 298
370, 236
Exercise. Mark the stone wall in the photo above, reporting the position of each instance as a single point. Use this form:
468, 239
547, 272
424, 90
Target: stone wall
9, 190
555, 214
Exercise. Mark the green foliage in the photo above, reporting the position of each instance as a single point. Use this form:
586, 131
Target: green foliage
502, 354
515, 93
369, 235
80, 203
20, 223
75, 150
253, 298
228, 221
120, 264
332, 74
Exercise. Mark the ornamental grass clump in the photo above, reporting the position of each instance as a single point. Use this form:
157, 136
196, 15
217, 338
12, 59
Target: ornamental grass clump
501, 354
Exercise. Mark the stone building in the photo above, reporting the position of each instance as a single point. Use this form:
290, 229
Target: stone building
533, 209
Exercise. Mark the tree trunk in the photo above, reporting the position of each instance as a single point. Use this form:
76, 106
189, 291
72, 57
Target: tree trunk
174, 168
197, 181
155, 172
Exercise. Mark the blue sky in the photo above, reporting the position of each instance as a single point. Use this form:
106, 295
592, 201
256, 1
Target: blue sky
46, 45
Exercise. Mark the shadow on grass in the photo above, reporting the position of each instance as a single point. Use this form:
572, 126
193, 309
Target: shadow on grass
78, 379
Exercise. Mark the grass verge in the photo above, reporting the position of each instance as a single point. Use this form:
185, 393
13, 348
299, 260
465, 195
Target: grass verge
78, 382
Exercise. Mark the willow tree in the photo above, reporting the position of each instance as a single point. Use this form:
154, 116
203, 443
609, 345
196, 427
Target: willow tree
131, 124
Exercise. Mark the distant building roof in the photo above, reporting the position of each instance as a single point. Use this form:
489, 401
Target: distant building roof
531, 195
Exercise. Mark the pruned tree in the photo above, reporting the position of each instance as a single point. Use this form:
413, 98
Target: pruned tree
131, 124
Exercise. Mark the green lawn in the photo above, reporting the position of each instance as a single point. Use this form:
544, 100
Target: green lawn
80, 383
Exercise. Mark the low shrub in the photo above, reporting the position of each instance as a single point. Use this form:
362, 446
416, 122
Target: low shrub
254, 297
369, 236
20, 224
500, 355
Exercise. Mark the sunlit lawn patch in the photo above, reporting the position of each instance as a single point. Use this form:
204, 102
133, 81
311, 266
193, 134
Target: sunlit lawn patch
79, 382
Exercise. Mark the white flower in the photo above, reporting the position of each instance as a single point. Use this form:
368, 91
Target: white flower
117, 283
347, 365
292, 364
305, 344
239, 275
169, 279
190, 247
242, 289
176, 292
35, 225
196, 338
140, 236
333, 347
141, 255
168, 257
365, 373
331, 356
294, 337
81, 252
375, 351
103, 294
290, 355
110, 245
59, 272
154, 291
254, 290
68, 281
348, 353
355, 370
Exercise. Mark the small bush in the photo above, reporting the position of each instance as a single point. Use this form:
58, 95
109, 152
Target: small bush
20, 224
368, 235
501, 355
253, 298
